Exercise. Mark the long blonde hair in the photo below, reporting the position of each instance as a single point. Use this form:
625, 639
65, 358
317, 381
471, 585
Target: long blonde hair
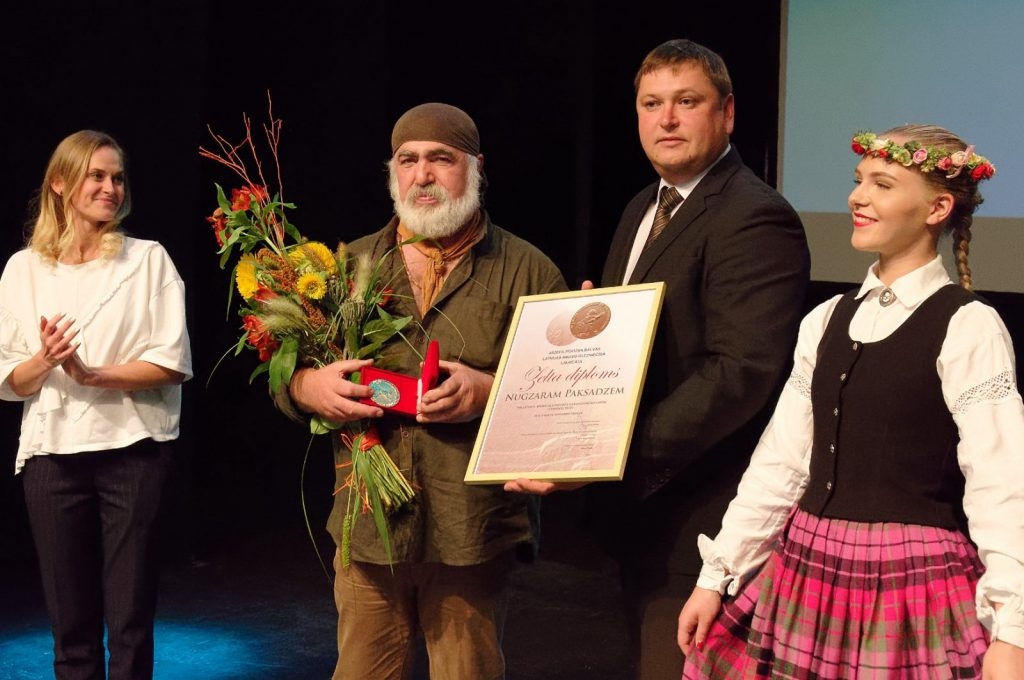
966, 197
51, 235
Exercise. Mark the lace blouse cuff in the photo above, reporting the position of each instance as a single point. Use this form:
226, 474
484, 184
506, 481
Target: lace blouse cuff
1007, 624
715, 575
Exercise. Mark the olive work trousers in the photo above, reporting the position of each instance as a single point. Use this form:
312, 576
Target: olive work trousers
459, 611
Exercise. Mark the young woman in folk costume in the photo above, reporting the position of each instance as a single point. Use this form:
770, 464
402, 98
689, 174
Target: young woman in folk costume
879, 529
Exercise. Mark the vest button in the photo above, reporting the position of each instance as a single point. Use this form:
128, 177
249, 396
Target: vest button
828, 486
842, 377
856, 346
832, 447
835, 411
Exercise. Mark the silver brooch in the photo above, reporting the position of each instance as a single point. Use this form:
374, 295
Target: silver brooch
887, 297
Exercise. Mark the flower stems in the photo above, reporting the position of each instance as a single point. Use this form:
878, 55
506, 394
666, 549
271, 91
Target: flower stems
375, 485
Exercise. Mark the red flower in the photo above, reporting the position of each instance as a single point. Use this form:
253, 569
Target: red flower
259, 338
220, 225
983, 171
263, 294
240, 199
385, 297
882, 153
944, 163
260, 193
857, 148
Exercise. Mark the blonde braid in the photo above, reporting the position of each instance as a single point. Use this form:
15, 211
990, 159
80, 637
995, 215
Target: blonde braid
962, 248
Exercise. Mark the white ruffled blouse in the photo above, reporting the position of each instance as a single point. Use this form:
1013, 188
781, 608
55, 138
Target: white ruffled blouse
977, 370
128, 307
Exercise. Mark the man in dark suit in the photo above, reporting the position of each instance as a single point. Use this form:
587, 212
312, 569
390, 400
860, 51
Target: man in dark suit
734, 257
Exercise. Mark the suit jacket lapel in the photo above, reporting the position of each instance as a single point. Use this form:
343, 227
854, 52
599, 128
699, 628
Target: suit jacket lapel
690, 211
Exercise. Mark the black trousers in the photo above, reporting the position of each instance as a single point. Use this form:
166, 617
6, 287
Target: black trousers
93, 519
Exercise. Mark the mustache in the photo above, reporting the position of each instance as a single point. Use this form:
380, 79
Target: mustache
429, 191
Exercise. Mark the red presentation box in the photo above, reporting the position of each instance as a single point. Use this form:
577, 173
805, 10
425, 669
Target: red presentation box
399, 392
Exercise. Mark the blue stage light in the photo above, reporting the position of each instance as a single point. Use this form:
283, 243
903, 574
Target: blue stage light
183, 651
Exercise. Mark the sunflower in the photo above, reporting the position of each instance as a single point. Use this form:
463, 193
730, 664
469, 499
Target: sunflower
245, 276
311, 285
313, 255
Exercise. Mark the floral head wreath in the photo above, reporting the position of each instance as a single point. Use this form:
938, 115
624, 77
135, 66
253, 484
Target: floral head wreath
926, 159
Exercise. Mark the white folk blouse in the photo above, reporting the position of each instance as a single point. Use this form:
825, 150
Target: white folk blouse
977, 370
128, 307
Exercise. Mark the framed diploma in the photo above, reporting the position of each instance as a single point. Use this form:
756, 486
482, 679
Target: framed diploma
565, 396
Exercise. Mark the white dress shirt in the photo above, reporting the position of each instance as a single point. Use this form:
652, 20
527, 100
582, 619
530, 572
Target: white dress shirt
977, 370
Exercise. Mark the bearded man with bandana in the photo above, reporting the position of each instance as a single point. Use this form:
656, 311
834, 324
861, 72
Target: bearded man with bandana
455, 547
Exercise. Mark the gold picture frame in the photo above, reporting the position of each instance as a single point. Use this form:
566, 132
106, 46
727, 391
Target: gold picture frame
567, 389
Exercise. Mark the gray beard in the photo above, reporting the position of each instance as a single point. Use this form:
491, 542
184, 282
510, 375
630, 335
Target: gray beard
443, 219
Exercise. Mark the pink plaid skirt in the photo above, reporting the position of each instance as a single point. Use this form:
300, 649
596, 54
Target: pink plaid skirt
841, 599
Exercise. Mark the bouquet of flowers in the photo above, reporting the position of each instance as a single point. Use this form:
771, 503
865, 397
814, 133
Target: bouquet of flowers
304, 304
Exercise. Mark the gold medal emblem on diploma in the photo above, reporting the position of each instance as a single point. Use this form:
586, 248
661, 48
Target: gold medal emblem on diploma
590, 320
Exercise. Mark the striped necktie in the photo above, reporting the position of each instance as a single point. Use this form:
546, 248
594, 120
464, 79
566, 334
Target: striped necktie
667, 202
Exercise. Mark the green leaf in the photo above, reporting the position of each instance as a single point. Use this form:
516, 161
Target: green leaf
291, 230
381, 329
319, 425
240, 345
379, 332
260, 369
352, 340
282, 363
369, 351
222, 199
362, 466
231, 294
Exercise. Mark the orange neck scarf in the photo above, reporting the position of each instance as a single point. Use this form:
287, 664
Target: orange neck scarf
441, 253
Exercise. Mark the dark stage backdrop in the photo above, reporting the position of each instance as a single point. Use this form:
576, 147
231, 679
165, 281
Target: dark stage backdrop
549, 84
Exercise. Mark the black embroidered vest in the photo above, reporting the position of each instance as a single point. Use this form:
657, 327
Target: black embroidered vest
885, 443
